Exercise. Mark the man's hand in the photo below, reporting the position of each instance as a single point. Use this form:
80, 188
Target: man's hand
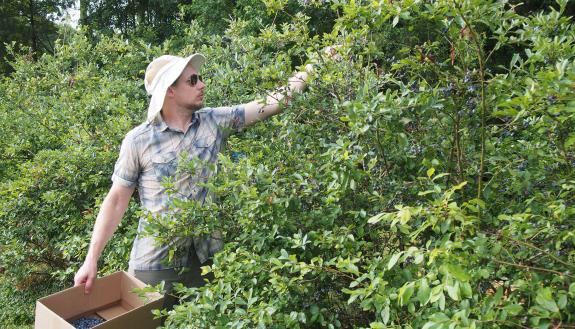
86, 275
260, 110
330, 53
333, 53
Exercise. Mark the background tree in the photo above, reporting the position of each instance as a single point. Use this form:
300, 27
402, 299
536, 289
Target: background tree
153, 19
30, 23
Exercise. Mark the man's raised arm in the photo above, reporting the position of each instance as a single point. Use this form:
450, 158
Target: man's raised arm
260, 110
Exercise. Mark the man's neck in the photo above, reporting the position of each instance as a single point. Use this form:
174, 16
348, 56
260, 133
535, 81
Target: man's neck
179, 119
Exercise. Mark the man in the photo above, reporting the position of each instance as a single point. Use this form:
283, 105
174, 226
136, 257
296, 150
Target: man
177, 124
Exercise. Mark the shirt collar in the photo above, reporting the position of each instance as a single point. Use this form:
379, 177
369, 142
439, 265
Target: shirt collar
163, 126
195, 118
160, 123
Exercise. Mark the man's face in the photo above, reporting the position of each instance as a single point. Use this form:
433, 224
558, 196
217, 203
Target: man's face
188, 91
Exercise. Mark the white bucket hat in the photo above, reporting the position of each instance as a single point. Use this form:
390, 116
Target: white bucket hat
161, 73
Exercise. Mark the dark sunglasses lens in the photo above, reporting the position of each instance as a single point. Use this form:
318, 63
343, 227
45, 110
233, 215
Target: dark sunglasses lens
194, 79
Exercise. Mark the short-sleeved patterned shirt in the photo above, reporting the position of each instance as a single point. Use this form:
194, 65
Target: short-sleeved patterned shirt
149, 153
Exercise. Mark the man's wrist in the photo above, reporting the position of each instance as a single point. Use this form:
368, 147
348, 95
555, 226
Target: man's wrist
91, 258
301, 76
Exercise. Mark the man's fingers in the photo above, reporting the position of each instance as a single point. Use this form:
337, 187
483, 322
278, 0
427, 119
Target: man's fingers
78, 280
84, 277
332, 53
89, 283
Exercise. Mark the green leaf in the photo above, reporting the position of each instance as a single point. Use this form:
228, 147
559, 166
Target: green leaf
375, 219
424, 292
436, 293
562, 301
429, 325
354, 294
438, 176
377, 325
314, 310
572, 289
570, 141
513, 309
393, 260
404, 214
430, 172
459, 186
453, 290
405, 293
436, 320
442, 302
457, 272
514, 60
466, 290
545, 299
385, 314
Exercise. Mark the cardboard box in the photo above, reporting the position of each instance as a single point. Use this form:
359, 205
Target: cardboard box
111, 299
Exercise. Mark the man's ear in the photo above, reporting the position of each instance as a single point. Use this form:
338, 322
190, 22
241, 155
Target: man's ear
170, 92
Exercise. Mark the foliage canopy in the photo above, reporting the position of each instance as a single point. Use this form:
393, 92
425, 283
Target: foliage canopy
426, 180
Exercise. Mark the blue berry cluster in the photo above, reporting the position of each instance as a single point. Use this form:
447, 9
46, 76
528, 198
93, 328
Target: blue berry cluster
87, 322
552, 99
416, 149
467, 77
471, 104
448, 90
472, 88
507, 133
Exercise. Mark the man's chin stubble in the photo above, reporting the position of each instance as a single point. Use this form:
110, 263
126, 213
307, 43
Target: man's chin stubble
194, 108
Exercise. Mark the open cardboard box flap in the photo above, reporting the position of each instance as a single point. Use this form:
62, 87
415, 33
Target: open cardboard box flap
111, 298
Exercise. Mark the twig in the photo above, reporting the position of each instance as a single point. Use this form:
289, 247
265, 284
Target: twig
531, 268
483, 105
543, 251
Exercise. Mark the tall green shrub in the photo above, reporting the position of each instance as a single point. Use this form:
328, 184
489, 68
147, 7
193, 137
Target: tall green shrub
63, 119
423, 181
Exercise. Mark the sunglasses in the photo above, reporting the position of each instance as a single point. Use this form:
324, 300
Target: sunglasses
194, 78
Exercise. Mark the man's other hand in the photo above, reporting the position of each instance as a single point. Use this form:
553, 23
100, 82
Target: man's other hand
86, 275
332, 52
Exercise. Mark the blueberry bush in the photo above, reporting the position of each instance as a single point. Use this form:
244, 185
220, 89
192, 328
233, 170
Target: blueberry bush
425, 178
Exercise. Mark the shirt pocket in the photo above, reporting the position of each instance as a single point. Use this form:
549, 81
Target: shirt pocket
203, 148
204, 141
164, 165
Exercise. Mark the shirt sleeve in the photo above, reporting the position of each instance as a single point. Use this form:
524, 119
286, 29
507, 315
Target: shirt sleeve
230, 118
127, 168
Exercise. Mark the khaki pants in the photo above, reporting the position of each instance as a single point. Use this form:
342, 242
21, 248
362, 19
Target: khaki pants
190, 277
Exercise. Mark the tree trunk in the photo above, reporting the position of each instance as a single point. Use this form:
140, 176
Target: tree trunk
83, 12
33, 33
141, 11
